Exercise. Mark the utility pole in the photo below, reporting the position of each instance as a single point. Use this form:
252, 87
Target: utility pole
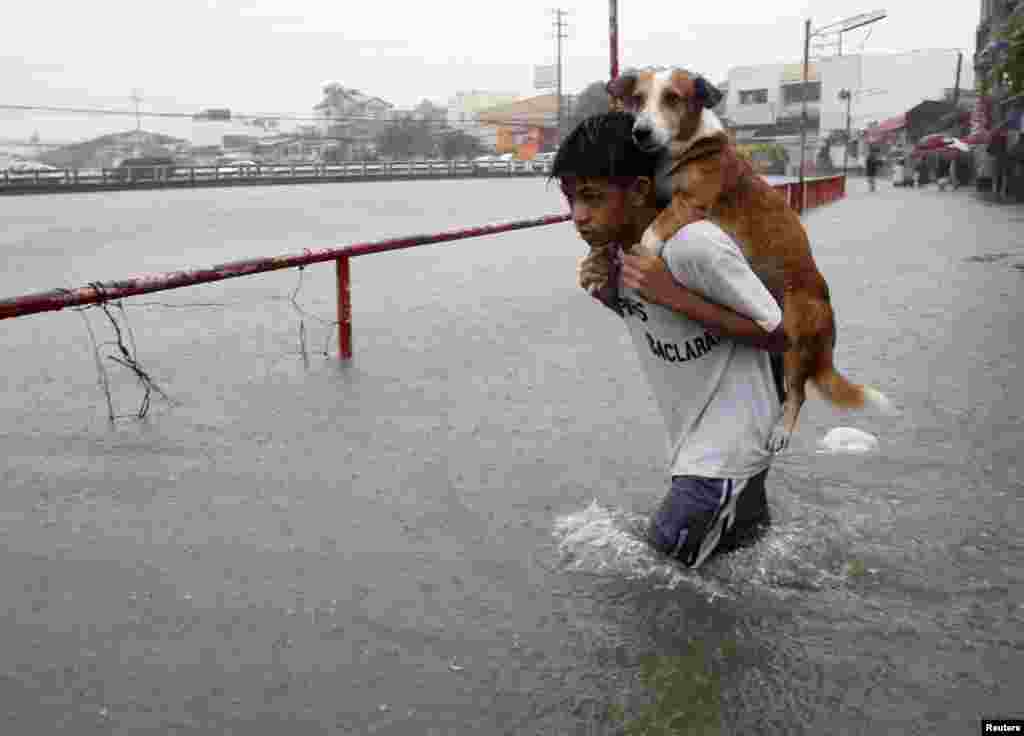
845, 94
843, 26
613, 37
803, 111
137, 97
956, 87
559, 35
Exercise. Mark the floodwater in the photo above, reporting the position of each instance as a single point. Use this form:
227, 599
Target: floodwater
434, 538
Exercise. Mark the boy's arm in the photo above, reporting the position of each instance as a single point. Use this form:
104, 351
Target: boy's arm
725, 321
708, 280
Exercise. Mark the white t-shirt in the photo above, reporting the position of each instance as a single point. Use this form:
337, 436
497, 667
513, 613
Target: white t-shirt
717, 396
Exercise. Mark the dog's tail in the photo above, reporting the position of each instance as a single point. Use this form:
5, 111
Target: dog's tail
844, 394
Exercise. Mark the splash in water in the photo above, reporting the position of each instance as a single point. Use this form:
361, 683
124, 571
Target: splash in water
610, 542
800, 555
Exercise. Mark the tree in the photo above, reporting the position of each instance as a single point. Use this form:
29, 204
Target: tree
405, 138
458, 144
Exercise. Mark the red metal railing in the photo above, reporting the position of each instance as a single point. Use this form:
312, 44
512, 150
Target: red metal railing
50, 301
815, 193
821, 190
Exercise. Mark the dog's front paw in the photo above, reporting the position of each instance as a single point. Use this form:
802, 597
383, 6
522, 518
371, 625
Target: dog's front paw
650, 242
779, 438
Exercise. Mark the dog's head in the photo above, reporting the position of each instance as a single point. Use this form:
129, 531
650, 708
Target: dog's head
668, 103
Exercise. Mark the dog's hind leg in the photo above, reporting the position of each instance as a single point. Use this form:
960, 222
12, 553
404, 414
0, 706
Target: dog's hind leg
800, 362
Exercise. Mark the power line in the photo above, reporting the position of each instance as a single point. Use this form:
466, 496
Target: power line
137, 98
397, 116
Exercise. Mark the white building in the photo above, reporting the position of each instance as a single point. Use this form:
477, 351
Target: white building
764, 101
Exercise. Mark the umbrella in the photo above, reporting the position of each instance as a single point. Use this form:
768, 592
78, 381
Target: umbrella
930, 142
979, 137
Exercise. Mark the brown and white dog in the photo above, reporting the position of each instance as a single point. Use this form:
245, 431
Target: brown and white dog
705, 177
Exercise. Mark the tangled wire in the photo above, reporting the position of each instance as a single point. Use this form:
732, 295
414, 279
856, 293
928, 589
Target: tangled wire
126, 352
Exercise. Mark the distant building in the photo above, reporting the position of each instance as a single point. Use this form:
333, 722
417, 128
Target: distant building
764, 102
428, 111
464, 108
295, 149
352, 119
110, 150
522, 127
999, 114
234, 142
722, 108
995, 17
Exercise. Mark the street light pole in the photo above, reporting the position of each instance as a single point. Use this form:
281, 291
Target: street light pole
857, 21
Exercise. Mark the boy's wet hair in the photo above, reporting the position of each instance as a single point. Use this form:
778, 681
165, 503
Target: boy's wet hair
602, 146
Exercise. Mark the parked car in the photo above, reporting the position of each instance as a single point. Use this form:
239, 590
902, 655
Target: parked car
30, 166
27, 169
232, 166
144, 167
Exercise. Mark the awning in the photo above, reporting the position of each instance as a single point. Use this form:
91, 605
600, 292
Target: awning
979, 138
933, 142
886, 129
890, 124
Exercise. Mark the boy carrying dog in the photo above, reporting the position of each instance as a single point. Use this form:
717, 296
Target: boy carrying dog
702, 324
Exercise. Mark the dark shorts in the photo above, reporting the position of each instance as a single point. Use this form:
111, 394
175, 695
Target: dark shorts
700, 516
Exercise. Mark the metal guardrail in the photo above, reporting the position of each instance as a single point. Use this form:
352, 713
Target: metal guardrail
183, 176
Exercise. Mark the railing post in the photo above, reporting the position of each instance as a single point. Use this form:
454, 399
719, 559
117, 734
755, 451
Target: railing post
344, 309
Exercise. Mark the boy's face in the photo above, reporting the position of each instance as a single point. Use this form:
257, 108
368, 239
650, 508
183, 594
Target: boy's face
600, 209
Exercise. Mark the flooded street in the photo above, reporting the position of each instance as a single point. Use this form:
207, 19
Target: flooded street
432, 539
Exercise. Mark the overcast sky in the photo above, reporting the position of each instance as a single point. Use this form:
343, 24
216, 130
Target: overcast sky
273, 55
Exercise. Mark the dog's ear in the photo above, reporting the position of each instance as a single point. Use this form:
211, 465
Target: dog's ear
622, 86
708, 94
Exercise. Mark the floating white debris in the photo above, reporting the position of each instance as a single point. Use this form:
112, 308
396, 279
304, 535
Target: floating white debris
454, 667
847, 440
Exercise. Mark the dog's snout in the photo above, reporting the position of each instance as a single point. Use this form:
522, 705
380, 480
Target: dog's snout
641, 133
